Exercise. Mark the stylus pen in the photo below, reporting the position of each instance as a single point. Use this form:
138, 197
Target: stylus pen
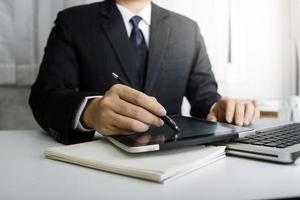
165, 118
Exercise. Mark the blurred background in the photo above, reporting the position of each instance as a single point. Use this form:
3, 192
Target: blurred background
253, 46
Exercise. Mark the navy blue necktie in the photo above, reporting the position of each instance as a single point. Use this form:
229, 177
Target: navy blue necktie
140, 52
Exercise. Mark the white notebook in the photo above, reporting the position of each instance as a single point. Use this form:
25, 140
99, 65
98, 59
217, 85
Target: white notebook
160, 166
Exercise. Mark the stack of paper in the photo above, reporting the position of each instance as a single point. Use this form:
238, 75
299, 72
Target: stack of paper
157, 166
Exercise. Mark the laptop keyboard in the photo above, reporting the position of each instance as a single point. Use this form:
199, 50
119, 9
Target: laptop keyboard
281, 137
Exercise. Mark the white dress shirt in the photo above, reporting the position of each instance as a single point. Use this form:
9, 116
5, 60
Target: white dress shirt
144, 26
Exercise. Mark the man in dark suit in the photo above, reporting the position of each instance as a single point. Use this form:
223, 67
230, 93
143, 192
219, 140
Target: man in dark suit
160, 53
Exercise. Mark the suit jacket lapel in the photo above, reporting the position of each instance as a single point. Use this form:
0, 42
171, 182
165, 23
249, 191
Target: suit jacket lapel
113, 26
159, 33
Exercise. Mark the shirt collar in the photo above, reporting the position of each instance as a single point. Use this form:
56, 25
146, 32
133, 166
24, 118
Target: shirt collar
145, 13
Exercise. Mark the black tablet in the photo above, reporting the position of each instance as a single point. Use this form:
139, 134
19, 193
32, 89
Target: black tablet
194, 131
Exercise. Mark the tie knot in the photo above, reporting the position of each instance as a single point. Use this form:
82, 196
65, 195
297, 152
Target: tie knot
135, 20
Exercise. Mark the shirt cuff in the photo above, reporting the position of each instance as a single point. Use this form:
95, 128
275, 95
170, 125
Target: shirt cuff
77, 124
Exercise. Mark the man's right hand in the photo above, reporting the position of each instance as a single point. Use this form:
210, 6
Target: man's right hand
122, 110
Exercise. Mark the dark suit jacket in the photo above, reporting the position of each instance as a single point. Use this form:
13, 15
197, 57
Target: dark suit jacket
90, 42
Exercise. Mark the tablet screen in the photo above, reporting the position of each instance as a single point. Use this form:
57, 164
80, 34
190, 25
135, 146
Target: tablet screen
190, 128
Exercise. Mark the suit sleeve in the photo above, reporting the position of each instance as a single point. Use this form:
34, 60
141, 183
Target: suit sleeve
55, 97
202, 86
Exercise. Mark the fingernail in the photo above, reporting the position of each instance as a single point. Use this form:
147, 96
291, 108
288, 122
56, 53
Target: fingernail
228, 120
240, 123
162, 112
246, 122
162, 122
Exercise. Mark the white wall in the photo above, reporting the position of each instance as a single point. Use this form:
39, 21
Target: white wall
262, 49
260, 64
295, 12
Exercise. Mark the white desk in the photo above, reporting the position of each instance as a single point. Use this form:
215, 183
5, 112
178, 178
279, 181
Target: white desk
26, 174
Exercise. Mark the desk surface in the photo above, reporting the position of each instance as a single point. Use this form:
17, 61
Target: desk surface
26, 174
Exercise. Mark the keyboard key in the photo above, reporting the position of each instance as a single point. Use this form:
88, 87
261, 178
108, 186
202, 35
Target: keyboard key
272, 144
294, 142
249, 141
258, 143
282, 146
242, 139
270, 140
280, 137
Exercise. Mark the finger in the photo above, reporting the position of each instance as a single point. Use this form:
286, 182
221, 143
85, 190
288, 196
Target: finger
256, 115
255, 103
211, 117
229, 110
153, 98
239, 113
140, 99
132, 111
256, 111
113, 130
220, 112
249, 113
128, 124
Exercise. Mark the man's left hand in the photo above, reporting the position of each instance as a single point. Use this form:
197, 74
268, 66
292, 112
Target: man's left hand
234, 111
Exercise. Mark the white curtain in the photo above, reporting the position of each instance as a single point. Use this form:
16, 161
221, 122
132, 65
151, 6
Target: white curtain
25, 26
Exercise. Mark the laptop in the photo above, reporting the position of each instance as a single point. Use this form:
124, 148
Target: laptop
277, 141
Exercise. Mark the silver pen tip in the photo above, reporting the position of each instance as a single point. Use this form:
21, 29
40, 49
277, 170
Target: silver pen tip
115, 75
